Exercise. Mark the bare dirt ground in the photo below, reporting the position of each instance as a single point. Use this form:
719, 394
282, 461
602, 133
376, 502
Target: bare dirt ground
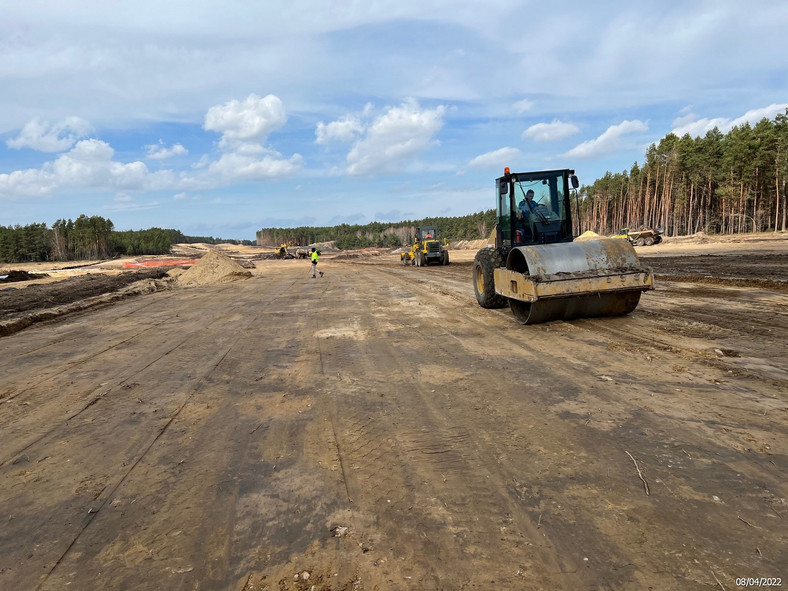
377, 429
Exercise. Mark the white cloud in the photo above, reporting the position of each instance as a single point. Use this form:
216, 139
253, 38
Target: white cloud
46, 137
126, 203
546, 132
27, 183
495, 159
395, 138
90, 162
128, 72
249, 120
343, 130
238, 166
698, 127
244, 125
687, 118
523, 106
179, 196
160, 151
608, 142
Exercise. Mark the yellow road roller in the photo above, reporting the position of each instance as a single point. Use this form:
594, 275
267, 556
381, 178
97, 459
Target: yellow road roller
533, 265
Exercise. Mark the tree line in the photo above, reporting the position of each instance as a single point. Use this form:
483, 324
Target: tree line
719, 183
381, 234
89, 238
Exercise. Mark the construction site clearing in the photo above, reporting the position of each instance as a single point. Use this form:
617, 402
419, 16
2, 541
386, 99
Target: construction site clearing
230, 423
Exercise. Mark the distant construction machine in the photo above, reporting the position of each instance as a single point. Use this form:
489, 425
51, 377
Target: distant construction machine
282, 253
426, 249
643, 237
532, 264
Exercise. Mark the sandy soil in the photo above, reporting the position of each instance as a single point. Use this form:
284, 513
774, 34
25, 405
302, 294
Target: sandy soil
377, 429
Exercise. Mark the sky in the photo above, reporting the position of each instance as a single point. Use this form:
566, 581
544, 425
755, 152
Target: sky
222, 118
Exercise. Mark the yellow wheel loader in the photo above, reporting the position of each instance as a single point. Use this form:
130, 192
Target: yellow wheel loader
426, 249
532, 264
643, 237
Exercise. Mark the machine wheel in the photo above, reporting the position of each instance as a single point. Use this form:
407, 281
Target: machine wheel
639, 242
405, 260
445, 257
484, 265
649, 241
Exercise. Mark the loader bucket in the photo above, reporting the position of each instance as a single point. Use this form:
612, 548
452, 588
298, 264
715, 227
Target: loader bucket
572, 280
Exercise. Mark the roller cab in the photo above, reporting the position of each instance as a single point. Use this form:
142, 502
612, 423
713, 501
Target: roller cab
533, 265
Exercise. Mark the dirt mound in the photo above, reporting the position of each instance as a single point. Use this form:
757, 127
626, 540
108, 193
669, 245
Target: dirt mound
697, 238
14, 276
360, 253
214, 267
589, 235
330, 245
20, 308
469, 244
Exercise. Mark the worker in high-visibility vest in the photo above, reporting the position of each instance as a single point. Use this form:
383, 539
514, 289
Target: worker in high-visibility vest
315, 257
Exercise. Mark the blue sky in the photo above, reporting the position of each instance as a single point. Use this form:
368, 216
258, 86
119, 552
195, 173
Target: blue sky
220, 118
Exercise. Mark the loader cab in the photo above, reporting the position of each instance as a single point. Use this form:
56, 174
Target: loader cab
426, 233
544, 219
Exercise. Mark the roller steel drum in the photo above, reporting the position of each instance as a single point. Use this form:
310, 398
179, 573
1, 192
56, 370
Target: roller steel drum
573, 280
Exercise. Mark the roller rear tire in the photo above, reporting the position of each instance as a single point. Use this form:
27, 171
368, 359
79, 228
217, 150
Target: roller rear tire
484, 265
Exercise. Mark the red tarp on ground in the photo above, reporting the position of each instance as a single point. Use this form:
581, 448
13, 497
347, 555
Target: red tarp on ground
177, 263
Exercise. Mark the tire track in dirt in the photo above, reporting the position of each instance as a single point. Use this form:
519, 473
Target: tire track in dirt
633, 405
92, 513
389, 452
474, 450
711, 331
568, 567
37, 394
239, 468
181, 398
81, 333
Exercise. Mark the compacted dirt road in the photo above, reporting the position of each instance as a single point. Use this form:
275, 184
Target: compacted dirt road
377, 429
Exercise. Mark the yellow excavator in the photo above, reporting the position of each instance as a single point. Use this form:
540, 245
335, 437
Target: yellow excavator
532, 264
282, 252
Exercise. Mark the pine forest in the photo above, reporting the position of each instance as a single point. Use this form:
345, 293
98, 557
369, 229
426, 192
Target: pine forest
718, 184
